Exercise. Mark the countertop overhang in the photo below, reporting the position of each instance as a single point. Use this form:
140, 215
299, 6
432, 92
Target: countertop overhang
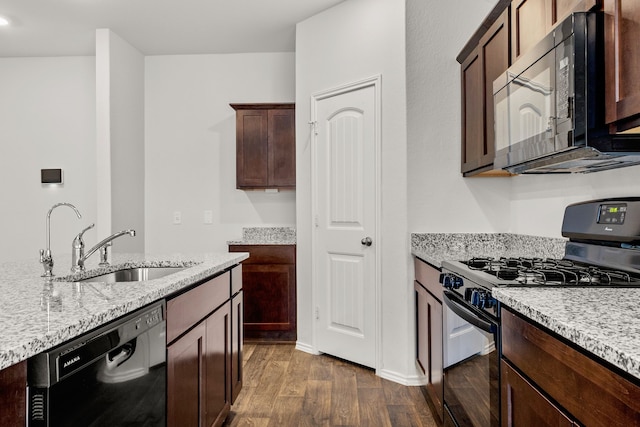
36, 314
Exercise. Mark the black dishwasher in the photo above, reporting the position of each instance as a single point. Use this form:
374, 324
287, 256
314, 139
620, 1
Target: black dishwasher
112, 376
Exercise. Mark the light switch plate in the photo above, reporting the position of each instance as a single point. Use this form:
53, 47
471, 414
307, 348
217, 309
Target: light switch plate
177, 217
208, 217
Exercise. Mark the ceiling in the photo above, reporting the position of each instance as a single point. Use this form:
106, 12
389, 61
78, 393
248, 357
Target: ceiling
154, 27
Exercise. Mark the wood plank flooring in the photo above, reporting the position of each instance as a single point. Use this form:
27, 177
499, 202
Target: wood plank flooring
287, 387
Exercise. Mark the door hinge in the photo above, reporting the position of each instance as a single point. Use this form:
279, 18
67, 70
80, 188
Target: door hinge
317, 313
316, 221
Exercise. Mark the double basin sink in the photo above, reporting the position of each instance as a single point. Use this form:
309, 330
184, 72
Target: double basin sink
137, 274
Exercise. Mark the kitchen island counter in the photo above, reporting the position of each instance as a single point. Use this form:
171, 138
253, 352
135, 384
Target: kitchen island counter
603, 321
36, 314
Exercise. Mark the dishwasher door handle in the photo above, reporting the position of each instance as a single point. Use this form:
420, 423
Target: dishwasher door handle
451, 300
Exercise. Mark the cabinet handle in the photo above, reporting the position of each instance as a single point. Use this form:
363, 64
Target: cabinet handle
366, 241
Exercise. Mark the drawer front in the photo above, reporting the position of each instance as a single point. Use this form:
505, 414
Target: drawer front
267, 254
236, 279
429, 277
187, 309
592, 393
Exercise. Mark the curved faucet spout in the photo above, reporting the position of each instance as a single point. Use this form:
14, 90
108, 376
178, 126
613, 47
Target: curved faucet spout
79, 256
46, 258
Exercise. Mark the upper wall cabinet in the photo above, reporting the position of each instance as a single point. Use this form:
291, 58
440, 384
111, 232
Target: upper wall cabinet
510, 29
480, 68
622, 89
265, 146
531, 20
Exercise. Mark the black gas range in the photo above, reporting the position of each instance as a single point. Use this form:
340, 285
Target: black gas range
603, 250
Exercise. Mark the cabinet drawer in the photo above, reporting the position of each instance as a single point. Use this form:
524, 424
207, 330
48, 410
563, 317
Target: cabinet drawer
429, 277
187, 309
591, 392
267, 254
236, 279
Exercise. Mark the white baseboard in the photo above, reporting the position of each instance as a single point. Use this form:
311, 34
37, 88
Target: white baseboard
306, 348
408, 380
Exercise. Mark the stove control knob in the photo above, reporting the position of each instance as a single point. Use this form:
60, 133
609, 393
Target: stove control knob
450, 281
475, 297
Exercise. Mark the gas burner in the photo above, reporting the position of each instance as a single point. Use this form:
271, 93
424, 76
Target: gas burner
549, 272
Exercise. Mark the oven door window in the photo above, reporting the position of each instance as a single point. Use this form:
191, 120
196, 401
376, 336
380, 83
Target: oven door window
126, 387
471, 381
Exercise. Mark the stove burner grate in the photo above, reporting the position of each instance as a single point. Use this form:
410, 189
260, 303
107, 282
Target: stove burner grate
549, 272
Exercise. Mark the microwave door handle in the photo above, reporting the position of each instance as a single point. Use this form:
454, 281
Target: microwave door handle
450, 301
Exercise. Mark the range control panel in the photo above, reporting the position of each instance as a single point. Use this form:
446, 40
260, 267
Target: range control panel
607, 220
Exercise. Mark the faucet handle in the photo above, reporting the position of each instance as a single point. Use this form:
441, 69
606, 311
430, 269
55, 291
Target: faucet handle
104, 260
77, 241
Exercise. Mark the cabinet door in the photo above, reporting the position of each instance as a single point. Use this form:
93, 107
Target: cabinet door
429, 344
479, 70
251, 148
282, 148
237, 309
523, 405
622, 89
13, 399
269, 306
217, 378
530, 22
185, 366
472, 112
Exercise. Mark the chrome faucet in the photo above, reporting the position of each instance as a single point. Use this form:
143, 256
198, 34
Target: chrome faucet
79, 256
46, 259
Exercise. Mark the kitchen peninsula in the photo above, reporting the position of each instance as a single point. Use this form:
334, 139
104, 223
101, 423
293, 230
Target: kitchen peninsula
36, 315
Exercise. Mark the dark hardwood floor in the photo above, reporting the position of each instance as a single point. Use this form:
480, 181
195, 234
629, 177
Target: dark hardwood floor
287, 387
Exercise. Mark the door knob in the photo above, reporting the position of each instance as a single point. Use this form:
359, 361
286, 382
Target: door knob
366, 241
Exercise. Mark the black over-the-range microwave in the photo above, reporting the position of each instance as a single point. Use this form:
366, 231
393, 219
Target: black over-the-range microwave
549, 106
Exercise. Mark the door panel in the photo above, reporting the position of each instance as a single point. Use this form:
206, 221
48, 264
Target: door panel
345, 200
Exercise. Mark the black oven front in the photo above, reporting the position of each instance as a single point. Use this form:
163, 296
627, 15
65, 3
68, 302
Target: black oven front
471, 379
114, 376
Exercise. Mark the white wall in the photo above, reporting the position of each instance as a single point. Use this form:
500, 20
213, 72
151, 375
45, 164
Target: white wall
440, 200
352, 41
120, 141
47, 117
190, 147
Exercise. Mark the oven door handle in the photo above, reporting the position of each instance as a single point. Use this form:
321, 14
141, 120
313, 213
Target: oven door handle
452, 301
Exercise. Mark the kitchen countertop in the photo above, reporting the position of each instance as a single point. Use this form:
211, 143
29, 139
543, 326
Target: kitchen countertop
266, 236
36, 314
603, 321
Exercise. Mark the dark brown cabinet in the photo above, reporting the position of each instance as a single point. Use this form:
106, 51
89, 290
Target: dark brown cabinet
201, 352
480, 68
237, 333
522, 404
13, 395
531, 20
269, 288
265, 146
622, 90
541, 373
429, 357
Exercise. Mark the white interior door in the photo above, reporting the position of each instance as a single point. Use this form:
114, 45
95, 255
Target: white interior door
345, 238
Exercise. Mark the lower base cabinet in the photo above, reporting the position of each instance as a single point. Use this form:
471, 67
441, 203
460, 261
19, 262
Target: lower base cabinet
429, 332
542, 373
13, 396
203, 355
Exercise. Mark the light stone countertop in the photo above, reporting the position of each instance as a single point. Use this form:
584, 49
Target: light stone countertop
603, 321
266, 236
36, 315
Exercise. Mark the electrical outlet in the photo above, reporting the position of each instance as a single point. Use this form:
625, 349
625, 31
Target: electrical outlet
177, 217
208, 217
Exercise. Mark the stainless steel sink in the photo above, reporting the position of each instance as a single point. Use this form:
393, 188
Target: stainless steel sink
134, 274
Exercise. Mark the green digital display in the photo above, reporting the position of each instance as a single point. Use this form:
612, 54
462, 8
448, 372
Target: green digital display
612, 214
